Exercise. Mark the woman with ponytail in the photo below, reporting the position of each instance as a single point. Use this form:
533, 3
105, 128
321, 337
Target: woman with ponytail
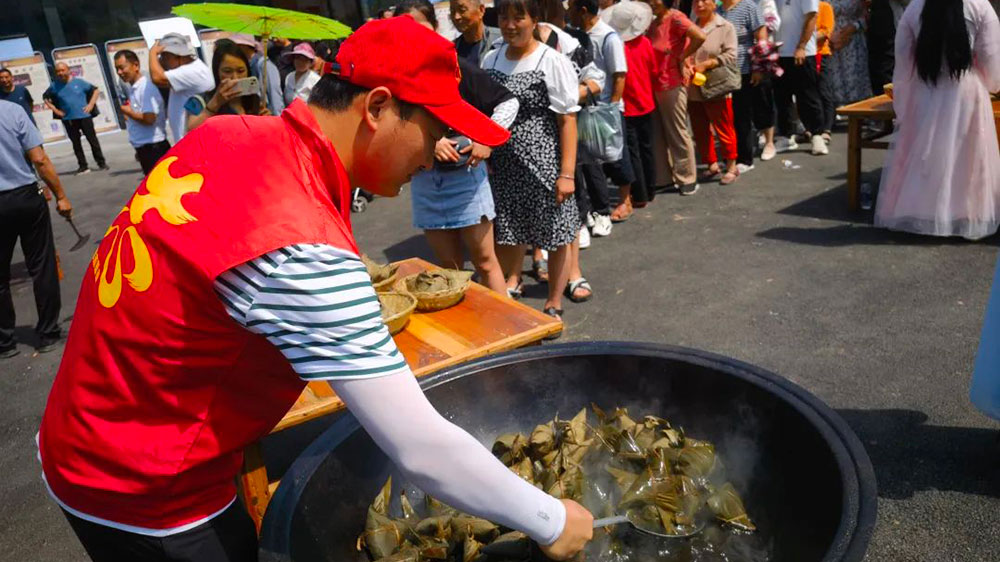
942, 176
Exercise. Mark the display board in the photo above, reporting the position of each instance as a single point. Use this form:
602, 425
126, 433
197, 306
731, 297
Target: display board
32, 73
208, 38
84, 62
155, 29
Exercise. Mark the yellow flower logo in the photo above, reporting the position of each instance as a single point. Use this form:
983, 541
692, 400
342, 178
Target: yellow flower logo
164, 193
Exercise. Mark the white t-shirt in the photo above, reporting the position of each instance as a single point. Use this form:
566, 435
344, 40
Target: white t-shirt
609, 55
560, 77
144, 97
300, 88
793, 16
185, 81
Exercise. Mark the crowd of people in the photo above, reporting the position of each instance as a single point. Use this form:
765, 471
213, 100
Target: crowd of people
736, 80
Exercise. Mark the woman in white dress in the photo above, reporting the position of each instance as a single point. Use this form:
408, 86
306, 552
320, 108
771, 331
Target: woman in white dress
299, 84
943, 174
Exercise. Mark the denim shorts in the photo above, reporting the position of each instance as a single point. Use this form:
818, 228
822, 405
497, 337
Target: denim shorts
449, 199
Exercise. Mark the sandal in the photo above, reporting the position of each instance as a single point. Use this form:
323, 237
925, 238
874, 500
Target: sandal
555, 313
711, 173
580, 283
517, 292
729, 177
617, 217
540, 269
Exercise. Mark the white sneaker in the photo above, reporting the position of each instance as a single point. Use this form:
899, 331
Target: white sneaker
602, 225
784, 144
743, 168
591, 221
584, 238
819, 147
768, 153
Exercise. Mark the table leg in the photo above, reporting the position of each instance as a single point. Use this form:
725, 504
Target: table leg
853, 162
253, 484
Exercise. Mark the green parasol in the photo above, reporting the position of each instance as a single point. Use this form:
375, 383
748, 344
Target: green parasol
264, 21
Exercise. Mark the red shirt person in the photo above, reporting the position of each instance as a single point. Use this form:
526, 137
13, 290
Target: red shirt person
631, 20
229, 279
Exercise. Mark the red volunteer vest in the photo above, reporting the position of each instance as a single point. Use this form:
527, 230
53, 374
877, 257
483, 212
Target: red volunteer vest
159, 390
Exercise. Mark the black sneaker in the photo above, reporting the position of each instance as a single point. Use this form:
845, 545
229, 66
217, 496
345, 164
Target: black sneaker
49, 344
103, 167
9, 352
689, 189
81, 171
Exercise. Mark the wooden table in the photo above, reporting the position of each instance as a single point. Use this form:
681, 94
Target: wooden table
878, 108
483, 322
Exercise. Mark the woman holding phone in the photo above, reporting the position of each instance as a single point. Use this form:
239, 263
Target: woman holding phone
230, 68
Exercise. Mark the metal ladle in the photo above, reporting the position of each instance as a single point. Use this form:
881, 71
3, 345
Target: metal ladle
629, 517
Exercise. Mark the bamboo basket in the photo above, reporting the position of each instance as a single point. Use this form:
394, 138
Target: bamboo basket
399, 307
385, 285
437, 300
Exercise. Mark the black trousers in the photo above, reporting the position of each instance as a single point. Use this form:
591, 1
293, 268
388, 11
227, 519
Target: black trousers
228, 537
150, 154
24, 214
86, 126
639, 139
801, 81
592, 189
753, 108
826, 94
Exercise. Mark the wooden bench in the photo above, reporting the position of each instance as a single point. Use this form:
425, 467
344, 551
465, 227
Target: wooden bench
878, 108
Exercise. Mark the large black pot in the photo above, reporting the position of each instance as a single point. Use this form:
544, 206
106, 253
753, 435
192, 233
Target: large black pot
805, 477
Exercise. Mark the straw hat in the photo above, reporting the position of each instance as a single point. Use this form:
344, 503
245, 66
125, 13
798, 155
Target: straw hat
630, 19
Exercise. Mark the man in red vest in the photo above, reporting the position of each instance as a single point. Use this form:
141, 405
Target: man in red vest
229, 279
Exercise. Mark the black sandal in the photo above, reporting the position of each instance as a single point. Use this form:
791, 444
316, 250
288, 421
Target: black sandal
517, 292
580, 283
555, 313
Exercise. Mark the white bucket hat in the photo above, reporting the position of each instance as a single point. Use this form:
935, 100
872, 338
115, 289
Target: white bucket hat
629, 19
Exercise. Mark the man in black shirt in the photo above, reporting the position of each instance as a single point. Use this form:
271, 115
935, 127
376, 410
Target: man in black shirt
476, 38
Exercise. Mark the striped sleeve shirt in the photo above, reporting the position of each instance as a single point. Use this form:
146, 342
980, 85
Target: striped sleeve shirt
316, 304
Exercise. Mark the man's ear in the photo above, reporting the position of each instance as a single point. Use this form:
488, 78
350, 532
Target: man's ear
376, 105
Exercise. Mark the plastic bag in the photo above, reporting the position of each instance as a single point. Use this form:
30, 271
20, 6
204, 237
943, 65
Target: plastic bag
985, 392
599, 129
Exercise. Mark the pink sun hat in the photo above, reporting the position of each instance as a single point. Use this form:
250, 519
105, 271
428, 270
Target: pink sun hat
304, 49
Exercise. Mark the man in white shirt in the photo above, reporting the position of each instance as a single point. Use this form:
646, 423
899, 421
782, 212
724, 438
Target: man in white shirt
146, 119
797, 58
174, 64
608, 51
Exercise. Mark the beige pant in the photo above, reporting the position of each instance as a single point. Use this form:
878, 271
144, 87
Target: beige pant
671, 106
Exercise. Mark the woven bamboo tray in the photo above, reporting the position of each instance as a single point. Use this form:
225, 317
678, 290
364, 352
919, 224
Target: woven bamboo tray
396, 310
437, 300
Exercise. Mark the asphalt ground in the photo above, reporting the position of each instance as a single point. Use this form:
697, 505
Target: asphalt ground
773, 270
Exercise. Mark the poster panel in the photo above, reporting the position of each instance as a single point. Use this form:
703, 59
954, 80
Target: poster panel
85, 63
32, 73
208, 38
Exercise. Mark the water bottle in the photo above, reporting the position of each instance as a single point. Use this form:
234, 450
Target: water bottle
866, 196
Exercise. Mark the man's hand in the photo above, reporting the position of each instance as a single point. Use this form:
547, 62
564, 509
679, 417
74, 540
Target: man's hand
480, 152
65, 208
686, 70
88, 108
756, 78
564, 190
800, 56
445, 151
156, 49
576, 534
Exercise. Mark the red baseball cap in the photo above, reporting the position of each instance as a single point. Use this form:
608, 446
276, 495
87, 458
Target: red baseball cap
418, 66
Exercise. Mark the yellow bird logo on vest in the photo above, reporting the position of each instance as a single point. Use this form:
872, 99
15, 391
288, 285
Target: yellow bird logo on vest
164, 193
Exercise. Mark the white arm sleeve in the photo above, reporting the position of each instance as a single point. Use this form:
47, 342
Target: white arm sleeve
445, 461
505, 113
